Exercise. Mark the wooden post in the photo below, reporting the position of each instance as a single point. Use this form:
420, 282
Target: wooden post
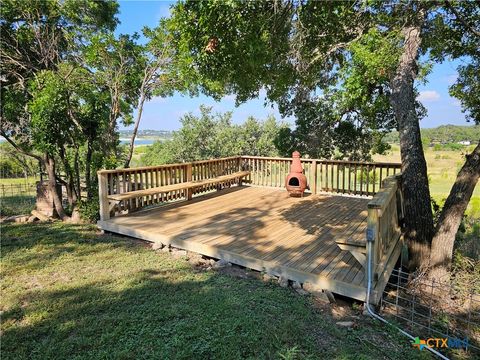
188, 177
102, 196
239, 168
314, 185
372, 235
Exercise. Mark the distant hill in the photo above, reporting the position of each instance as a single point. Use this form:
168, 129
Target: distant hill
444, 134
147, 134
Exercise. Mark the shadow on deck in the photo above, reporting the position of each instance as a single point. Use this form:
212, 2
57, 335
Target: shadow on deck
266, 230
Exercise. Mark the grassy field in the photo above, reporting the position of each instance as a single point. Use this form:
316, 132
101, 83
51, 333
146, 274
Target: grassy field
29, 180
443, 167
69, 292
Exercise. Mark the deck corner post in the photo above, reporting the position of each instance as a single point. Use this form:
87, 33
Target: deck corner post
372, 234
102, 196
239, 168
188, 178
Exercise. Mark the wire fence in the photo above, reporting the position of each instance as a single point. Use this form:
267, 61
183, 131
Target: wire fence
8, 190
433, 310
17, 199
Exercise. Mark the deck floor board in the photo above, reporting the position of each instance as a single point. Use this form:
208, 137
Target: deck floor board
264, 227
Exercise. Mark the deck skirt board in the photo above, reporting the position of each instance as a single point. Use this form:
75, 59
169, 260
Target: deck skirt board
263, 229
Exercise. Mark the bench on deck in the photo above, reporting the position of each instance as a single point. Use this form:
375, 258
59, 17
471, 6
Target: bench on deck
116, 198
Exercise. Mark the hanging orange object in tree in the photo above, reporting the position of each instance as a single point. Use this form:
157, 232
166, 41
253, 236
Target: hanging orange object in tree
212, 45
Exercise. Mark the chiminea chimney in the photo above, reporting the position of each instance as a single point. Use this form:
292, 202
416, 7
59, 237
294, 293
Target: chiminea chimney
296, 181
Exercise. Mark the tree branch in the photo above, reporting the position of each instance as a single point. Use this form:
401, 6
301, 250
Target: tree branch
460, 18
11, 142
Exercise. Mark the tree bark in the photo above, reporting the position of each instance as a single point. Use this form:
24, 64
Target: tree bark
88, 175
451, 216
52, 187
418, 213
72, 194
135, 129
76, 166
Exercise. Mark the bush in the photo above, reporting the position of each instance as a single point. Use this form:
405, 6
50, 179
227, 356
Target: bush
90, 210
367, 177
213, 135
448, 147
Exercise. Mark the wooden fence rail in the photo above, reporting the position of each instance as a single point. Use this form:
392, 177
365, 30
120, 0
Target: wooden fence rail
336, 176
119, 181
346, 177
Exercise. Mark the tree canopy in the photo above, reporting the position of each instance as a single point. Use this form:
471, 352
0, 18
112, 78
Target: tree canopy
213, 135
347, 70
66, 82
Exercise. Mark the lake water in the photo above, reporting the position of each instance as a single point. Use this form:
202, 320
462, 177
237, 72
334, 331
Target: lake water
138, 141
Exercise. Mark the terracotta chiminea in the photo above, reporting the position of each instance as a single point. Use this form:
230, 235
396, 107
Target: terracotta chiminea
296, 181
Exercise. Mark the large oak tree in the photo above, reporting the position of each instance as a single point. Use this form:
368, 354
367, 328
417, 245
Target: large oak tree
350, 65
66, 81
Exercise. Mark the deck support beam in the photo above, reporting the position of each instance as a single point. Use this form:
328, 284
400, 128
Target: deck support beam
358, 253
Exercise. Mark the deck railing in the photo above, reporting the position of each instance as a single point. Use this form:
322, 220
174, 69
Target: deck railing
336, 176
385, 214
118, 181
346, 177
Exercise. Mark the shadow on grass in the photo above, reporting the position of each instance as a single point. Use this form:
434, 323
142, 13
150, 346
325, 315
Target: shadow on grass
16, 204
51, 241
144, 304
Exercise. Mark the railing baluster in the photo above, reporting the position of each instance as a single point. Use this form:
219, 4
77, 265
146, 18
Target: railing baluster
368, 179
326, 177
361, 179
332, 176
349, 178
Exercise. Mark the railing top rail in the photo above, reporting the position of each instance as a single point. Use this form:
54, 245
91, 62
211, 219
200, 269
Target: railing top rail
305, 160
384, 195
273, 158
324, 161
155, 167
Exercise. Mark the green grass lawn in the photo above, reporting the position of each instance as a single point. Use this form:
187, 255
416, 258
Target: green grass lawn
69, 292
16, 205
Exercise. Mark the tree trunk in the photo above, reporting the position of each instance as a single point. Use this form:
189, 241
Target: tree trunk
451, 216
76, 167
135, 129
52, 187
72, 195
88, 179
418, 213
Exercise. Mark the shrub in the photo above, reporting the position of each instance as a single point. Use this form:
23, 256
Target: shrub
90, 210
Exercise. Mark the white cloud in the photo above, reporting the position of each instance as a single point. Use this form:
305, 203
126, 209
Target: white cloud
157, 100
451, 78
428, 96
228, 98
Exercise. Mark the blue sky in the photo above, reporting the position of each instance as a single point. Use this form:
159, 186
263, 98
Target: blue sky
165, 113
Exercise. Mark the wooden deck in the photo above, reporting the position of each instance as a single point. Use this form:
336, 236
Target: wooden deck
263, 229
